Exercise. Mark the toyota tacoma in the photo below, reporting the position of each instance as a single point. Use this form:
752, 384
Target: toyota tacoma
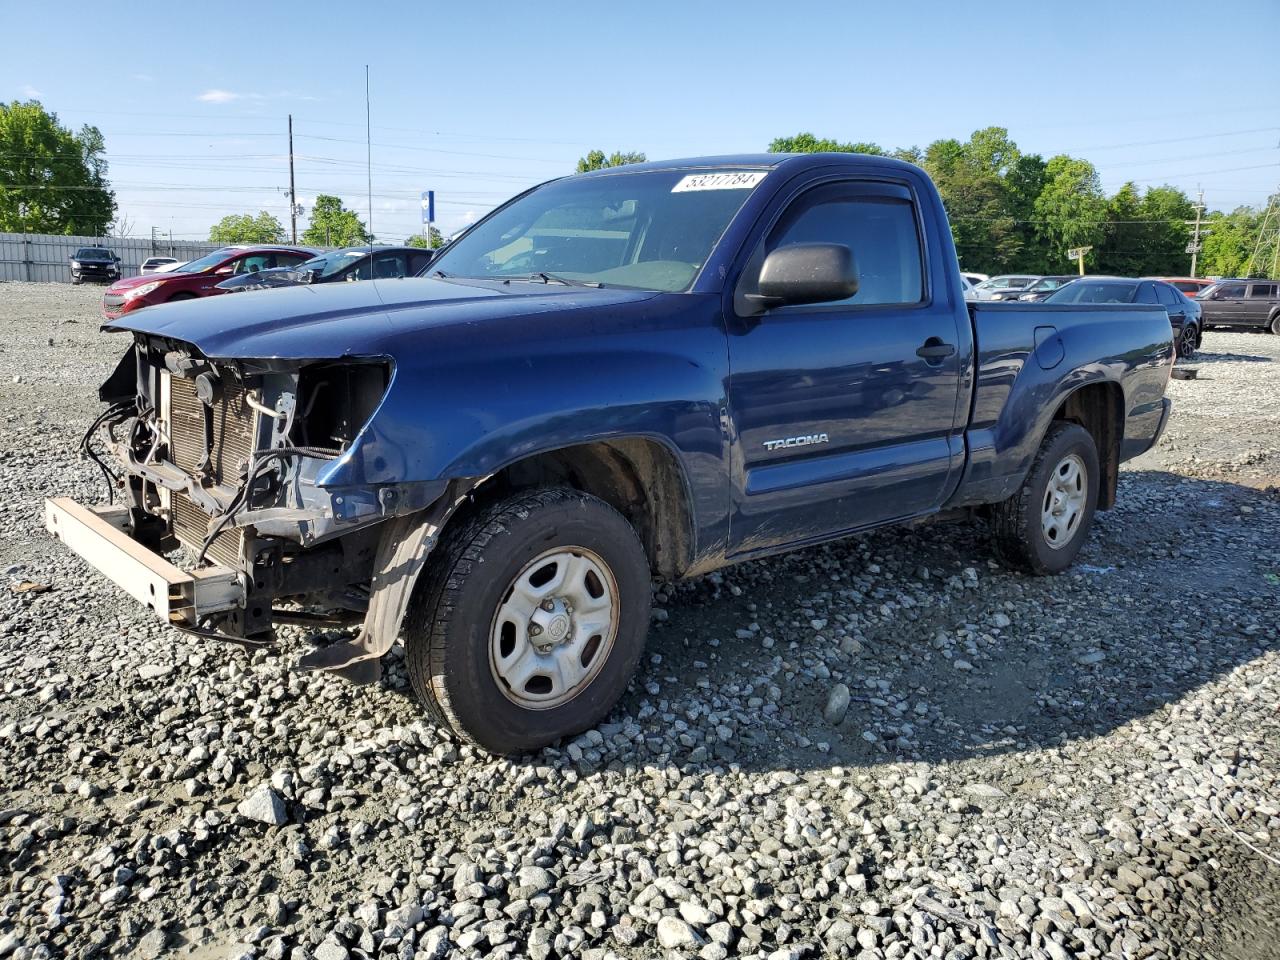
647, 371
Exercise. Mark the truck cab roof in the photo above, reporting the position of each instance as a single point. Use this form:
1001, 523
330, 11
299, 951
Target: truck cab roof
795, 161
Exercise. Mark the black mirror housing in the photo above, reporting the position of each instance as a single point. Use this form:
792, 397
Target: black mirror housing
802, 273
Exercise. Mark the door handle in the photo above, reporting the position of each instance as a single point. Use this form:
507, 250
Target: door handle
935, 349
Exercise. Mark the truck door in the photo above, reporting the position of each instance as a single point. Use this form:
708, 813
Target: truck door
846, 414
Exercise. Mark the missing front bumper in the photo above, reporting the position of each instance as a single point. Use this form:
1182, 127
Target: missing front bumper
97, 535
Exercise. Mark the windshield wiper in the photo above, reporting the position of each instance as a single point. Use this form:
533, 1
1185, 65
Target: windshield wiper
556, 278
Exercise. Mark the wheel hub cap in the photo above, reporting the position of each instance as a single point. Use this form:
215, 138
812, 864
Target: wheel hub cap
1064, 501
554, 628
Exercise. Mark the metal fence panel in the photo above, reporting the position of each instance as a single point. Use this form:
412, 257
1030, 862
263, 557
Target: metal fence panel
46, 258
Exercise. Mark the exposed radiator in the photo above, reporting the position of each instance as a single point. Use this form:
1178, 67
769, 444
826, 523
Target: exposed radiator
234, 427
191, 526
233, 430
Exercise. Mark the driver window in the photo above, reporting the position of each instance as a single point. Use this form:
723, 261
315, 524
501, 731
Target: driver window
389, 266
252, 263
880, 230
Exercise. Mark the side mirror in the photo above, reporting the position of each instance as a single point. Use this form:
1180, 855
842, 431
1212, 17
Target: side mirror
806, 273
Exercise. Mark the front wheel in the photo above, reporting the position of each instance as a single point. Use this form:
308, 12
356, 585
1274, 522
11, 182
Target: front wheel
1042, 527
531, 620
1275, 324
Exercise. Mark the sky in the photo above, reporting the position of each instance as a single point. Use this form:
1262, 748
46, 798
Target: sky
477, 101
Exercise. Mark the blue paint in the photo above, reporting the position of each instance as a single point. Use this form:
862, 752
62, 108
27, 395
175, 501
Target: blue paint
485, 374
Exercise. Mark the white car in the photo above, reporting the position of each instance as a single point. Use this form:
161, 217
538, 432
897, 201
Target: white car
970, 291
160, 264
974, 278
1007, 286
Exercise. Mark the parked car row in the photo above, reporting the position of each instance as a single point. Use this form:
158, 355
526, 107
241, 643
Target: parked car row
347, 264
244, 267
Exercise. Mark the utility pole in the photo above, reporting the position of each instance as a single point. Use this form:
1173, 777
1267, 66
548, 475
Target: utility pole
1195, 237
293, 197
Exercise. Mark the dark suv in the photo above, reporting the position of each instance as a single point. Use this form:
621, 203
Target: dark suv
1242, 303
94, 263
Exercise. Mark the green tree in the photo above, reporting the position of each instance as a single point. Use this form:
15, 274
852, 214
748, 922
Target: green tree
51, 180
596, 160
1071, 210
1230, 242
1165, 234
971, 177
1023, 184
808, 143
991, 151
1120, 251
333, 225
418, 240
246, 228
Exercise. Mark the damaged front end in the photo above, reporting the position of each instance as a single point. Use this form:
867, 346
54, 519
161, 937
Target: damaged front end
227, 512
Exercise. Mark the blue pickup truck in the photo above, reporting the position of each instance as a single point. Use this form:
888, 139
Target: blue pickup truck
653, 370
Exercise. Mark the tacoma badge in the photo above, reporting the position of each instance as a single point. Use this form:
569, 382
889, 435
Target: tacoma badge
803, 441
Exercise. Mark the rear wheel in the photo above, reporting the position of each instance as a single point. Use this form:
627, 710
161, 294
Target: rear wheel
1187, 341
1042, 527
531, 620
1275, 324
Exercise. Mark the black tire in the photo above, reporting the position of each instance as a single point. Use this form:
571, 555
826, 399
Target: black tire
1275, 324
1020, 540
470, 575
1188, 338
181, 296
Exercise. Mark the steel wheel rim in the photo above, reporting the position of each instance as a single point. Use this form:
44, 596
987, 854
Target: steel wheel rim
1064, 501
554, 628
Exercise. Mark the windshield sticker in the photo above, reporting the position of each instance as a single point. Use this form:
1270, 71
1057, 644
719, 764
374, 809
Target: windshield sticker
739, 180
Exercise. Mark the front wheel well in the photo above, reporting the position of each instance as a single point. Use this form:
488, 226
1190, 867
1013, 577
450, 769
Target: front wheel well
1099, 408
637, 476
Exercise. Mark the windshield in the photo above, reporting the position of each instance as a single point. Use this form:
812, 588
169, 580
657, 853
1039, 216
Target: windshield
1049, 283
92, 253
649, 230
205, 262
1085, 291
330, 263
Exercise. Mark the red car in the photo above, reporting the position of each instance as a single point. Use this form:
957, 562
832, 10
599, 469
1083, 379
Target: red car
199, 278
1189, 286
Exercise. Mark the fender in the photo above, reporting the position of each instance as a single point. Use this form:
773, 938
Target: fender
1015, 398
654, 369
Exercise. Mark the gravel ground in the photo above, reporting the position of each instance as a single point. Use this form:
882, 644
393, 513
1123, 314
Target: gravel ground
885, 747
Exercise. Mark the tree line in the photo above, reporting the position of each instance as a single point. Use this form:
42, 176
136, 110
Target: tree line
1010, 211
1015, 212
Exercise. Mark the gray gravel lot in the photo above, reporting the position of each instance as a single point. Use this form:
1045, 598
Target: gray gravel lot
885, 747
